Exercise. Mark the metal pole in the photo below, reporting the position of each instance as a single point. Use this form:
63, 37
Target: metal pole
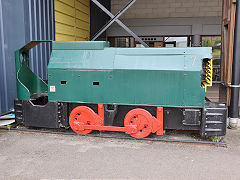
234, 103
120, 23
196, 41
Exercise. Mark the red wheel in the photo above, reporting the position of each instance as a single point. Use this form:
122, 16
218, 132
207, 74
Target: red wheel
140, 118
82, 115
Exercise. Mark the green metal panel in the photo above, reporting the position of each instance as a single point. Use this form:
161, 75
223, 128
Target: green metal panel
143, 76
29, 85
77, 45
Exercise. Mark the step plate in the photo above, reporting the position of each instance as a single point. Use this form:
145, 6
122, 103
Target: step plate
214, 119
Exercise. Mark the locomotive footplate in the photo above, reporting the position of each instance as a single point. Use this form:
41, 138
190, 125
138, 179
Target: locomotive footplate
40, 113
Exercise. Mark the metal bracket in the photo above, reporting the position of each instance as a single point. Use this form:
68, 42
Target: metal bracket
234, 86
115, 19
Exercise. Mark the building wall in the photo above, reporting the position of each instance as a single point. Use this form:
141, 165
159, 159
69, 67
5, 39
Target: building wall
169, 27
72, 20
169, 8
169, 17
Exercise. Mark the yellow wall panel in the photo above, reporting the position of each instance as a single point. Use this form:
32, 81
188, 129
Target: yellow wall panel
72, 20
64, 29
81, 33
82, 16
68, 2
64, 19
80, 39
64, 8
82, 24
81, 7
63, 37
85, 2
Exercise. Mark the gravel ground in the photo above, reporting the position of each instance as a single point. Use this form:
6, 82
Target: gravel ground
27, 155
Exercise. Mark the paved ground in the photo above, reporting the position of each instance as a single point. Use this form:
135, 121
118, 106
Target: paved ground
47, 156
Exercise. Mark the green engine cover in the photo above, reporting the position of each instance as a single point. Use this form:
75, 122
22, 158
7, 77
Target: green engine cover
92, 72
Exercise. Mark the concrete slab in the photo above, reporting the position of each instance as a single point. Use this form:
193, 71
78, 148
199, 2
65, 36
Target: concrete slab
49, 156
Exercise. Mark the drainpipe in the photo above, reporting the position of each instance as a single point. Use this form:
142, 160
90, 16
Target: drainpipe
234, 103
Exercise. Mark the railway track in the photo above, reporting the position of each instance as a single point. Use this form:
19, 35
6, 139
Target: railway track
172, 137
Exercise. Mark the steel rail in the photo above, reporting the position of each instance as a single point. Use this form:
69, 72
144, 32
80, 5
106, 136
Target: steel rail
122, 136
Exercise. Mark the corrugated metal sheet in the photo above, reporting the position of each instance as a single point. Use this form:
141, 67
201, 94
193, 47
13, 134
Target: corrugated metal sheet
39, 25
11, 37
72, 20
20, 22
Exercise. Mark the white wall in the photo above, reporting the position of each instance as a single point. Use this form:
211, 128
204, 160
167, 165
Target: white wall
169, 8
169, 26
169, 17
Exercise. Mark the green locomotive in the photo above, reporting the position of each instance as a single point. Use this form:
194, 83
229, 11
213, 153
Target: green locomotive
139, 91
